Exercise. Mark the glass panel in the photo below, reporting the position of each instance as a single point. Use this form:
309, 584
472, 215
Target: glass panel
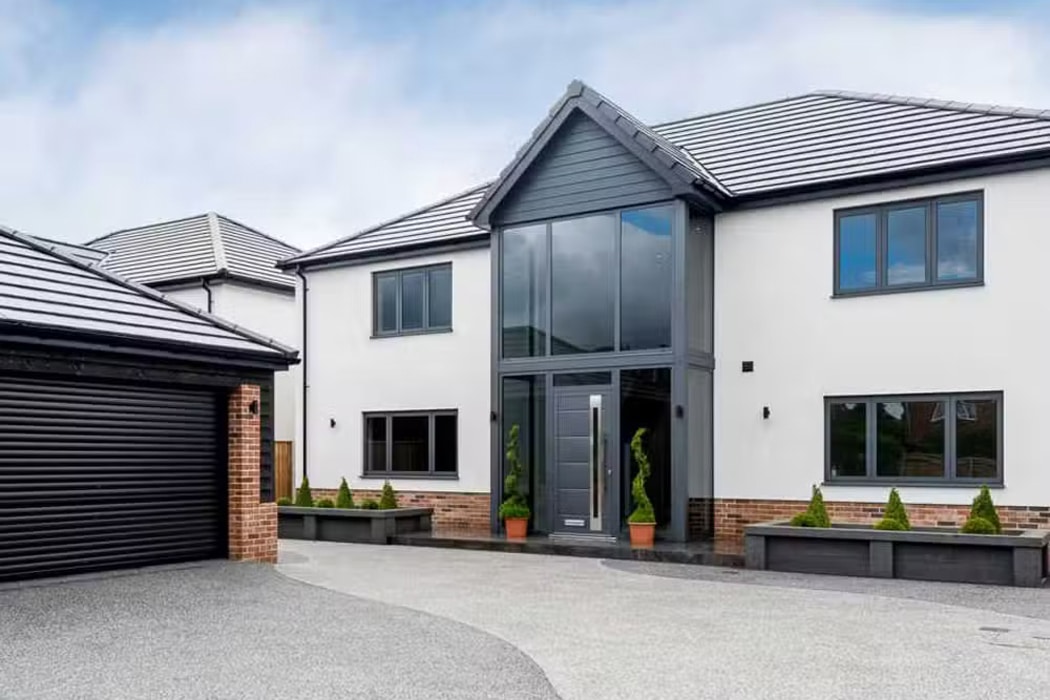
525, 405
412, 300
445, 439
957, 241
583, 379
386, 303
847, 428
645, 279
583, 265
906, 246
375, 446
857, 252
645, 402
410, 440
977, 439
439, 300
524, 291
910, 439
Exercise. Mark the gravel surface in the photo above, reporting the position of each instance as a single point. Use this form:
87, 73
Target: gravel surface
224, 630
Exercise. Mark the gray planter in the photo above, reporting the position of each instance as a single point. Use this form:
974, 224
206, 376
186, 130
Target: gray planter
350, 524
926, 554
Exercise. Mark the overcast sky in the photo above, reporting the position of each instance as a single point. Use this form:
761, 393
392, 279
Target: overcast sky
310, 120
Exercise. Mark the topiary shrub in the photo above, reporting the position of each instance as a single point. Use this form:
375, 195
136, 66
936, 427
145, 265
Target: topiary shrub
303, 497
388, 500
514, 504
369, 504
816, 515
895, 517
643, 507
976, 525
984, 509
324, 503
284, 501
344, 499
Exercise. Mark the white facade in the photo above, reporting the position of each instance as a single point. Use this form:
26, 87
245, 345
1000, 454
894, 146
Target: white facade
774, 306
269, 313
350, 373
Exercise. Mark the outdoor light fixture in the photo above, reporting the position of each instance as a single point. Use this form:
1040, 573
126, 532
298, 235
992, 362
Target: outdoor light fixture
747, 366
331, 422
253, 408
765, 413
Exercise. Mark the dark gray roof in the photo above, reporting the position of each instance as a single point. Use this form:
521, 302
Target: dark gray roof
444, 221
91, 256
208, 245
827, 137
42, 288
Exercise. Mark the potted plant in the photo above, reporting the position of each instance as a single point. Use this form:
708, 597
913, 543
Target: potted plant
515, 509
642, 521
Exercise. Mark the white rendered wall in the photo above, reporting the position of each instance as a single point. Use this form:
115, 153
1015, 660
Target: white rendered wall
351, 373
773, 287
194, 296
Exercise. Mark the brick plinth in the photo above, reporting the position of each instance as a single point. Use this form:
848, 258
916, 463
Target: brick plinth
732, 515
452, 511
252, 525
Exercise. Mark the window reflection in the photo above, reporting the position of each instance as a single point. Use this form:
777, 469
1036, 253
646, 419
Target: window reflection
857, 259
583, 260
646, 276
524, 291
957, 240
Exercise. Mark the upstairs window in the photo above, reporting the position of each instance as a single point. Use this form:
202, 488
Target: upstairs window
413, 300
902, 246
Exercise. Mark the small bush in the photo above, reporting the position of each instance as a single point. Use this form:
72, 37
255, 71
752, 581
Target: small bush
895, 514
984, 508
388, 501
514, 510
344, 499
369, 504
284, 501
324, 503
303, 497
976, 525
816, 515
643, 507
803, 519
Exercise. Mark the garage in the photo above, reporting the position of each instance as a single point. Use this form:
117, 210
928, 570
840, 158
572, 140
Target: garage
123, 415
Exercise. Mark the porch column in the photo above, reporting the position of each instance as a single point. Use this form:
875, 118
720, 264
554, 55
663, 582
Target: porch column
252, 525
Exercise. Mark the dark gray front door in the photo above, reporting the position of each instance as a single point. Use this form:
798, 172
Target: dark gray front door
583, 469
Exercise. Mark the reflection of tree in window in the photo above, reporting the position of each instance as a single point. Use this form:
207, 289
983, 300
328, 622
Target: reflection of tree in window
910, 439
848, 422
977, 439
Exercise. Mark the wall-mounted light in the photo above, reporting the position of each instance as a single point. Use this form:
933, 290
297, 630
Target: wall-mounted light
493, 416
765, 413
747, 366
253, 408
679, 410
331, 422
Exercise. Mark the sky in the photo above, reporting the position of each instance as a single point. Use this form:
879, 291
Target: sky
311, 120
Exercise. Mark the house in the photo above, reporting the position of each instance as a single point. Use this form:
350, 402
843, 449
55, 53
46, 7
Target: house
834, 288
130, 422
225, 268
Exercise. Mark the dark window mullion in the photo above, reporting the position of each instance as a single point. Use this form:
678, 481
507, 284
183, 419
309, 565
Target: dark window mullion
431, 435
389, 467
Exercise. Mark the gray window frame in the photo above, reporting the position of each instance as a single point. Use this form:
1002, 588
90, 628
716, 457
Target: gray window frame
950, 478
881, 212
397, 274
368, 472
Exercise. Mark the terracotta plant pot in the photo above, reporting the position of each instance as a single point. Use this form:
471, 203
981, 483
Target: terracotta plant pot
642, 534
517, 528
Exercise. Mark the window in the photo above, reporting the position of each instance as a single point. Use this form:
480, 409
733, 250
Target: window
411, 444
910, 245
920, 439
414, 300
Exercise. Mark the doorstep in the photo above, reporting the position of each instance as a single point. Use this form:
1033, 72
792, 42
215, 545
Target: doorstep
698, 553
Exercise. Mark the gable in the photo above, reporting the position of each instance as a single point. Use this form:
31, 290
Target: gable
581, 169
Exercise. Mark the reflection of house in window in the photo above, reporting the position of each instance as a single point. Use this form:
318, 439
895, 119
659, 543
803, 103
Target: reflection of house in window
964, 410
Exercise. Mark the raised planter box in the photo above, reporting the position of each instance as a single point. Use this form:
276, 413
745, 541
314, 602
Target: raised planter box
1017, 558
350, 524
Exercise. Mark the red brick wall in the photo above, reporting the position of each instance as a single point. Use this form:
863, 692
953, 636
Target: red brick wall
252, 525
731, 515
452, 511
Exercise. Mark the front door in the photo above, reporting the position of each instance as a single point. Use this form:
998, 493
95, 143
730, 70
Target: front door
584, 474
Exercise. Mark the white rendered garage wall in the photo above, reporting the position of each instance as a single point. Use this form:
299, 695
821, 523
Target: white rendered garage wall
351, 373
773, 286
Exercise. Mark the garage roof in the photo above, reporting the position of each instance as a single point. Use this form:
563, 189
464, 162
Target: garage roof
208, 245
44, 289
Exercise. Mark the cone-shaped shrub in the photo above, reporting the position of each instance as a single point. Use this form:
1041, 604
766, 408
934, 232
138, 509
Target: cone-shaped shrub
515, 504
643, 507
976, 525
303, 497
894, 514
388, 500
983, 508
816, 515
344, 499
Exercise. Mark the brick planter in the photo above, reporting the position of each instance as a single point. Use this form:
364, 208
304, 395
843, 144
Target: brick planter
350, 524
926, 554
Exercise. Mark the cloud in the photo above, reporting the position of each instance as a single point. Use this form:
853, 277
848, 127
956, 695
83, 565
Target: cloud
310, 128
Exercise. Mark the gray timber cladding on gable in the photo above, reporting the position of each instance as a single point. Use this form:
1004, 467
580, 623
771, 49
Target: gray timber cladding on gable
582, 169
43, 289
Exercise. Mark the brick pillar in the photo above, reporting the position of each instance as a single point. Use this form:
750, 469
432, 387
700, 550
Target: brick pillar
253, 525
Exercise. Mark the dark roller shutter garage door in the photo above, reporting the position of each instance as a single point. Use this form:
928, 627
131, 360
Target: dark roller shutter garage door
100, 476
